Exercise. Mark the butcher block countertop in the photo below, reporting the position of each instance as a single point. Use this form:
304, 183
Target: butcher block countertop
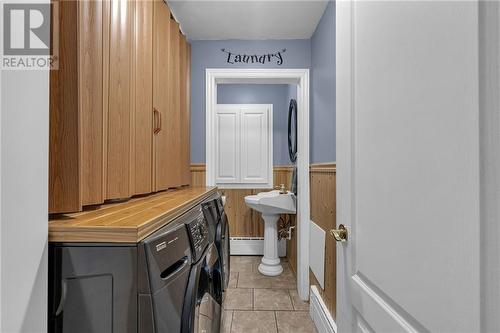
129, 221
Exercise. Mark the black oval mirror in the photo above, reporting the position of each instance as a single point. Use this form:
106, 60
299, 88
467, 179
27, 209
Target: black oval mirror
292, 130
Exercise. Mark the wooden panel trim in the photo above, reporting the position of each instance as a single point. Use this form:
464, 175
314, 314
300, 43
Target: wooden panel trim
284, 168
316, 167
323, 168
198, 167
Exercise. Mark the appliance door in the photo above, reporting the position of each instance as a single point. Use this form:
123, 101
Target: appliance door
202, 307
168, 302
211, 215
219, 204
168, 258
224, 249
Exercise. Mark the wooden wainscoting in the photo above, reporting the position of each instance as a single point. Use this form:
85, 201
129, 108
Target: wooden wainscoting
243, 221
323, 213
198, 174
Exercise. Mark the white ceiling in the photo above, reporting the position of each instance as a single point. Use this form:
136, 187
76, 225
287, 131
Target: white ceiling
243, 19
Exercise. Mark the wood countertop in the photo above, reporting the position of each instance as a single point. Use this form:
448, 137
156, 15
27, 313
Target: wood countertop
126, 222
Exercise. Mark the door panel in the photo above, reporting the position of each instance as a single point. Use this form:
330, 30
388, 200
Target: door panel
172, 118
255, 136
143, 136
120, 107
407, 166
91, 100
227, 138
184, 83
188, 93
161, 88
64, 159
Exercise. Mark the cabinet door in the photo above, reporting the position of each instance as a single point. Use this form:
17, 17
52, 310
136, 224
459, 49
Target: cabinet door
166, 99
227, 138
244, 145
143, 86
78, 103
90, 56
184, 83
161, 46
256, 144
172, 123
120, 107
64, 159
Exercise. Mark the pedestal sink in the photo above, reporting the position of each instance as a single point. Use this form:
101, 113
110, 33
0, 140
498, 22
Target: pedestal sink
271, 205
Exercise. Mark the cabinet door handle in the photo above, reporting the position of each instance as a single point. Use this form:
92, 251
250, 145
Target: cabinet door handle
155, 121
159, 122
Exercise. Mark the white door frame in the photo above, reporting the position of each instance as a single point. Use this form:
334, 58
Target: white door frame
300, 77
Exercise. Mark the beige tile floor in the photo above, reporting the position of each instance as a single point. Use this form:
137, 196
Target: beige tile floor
256, 303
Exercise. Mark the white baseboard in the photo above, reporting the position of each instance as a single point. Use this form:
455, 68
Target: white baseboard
253, 246
320, 315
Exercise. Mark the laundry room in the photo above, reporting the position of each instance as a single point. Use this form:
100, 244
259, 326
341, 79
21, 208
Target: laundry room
237, 166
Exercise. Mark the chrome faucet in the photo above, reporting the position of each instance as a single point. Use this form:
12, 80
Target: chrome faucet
282, 189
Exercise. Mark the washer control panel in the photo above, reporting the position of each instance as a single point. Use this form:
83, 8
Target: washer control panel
220, 205
198, 234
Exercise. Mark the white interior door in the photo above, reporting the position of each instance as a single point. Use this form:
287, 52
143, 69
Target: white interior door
408, 166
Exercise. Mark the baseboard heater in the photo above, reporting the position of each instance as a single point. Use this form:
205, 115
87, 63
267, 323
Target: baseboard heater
241, 246
320, 315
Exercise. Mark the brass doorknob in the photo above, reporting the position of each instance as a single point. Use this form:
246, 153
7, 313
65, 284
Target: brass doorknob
339, 234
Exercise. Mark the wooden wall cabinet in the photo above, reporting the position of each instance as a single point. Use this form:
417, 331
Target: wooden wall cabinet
119, 103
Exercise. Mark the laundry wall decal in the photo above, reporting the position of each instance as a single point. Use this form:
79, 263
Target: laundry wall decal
235, 58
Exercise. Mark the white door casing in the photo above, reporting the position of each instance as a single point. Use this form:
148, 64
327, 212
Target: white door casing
300, 77
408, 166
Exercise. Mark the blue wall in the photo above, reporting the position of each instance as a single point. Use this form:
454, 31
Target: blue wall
275, 94
317, 53
322, 94
208, 54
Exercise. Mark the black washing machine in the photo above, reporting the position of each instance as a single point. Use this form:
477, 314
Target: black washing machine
125, 288
167, 256
219, 230
203, 300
